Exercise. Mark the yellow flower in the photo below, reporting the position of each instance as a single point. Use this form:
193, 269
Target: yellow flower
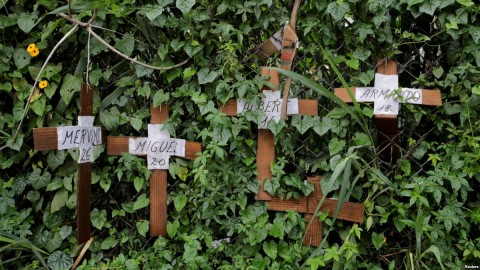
31, 47
384, 239
43, 84
34, 52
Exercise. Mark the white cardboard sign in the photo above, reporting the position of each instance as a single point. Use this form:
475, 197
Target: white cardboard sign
386, 96
271, 106
158, 147
84, 137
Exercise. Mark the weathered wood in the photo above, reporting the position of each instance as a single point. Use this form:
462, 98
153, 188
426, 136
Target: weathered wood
116, 145
83, 201
349, 211
47, 139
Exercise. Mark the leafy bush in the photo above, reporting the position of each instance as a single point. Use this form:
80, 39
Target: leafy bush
422, 213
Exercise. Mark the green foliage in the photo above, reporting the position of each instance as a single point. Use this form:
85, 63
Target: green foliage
423, 213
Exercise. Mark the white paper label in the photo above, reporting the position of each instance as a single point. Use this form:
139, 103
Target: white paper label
386, 81
271, 106
386, 95
158, 147
84, 137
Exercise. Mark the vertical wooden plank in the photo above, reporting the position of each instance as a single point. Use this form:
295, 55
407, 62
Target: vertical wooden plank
314, 233
158, 203
86, 100
158, 183
387, 126
84, 173
83, 202
266, 143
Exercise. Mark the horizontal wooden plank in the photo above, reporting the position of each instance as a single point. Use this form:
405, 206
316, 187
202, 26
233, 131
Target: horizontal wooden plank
349, 211
116, 145
230, 107
305, 107
429, 97
46, 138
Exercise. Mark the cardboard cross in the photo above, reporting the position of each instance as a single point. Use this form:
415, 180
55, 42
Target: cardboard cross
307, 205
386, 98
271, 106
158, 147
84, 137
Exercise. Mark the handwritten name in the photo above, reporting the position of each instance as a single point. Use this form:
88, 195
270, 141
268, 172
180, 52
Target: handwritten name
81, 135
403, 95
149, 146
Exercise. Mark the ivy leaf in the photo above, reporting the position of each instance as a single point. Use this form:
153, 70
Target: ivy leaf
180, 202
206, 76
429, 6
38, 180
110, 119
70, 86
476, 89
126, 44
185, 5
277, 229
270, 249
109, 243
438, 72
142, 202
38, 107
21, 58
142, 227
160, 97
27, 21
335, 146
377, 240
136, 123
337, 9
59, 260
59, 200
98, 218
172, 228
65, 231
138, 183
56, 158
302, 125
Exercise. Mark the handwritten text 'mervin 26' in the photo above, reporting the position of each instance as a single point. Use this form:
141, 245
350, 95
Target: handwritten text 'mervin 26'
82, 135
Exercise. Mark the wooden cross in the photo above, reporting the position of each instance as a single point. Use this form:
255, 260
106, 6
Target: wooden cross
272, 107
84, 137
386, 104
158, 147
307, 205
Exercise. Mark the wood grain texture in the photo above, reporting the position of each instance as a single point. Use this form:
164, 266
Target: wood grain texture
83, 202
265, 156
116, 145
45, 138
158, 115
349, 211
158, 203
273, 78
86, 100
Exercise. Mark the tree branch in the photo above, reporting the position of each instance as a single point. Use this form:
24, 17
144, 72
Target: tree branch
111, 48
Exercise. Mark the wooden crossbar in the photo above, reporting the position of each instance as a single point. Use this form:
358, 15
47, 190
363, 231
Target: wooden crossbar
387, 137
47, 139
116, 145
349, 211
